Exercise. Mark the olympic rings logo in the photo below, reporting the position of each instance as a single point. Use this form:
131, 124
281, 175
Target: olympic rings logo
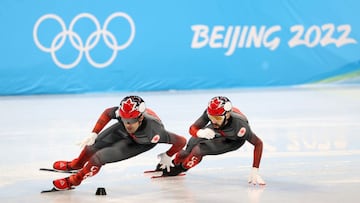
90, 42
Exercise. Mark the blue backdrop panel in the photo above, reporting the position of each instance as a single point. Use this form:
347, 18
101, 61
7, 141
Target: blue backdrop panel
65, 46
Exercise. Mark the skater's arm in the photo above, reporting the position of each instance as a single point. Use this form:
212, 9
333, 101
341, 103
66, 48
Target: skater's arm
258, 148
194, 129
104, 119
178, 142
198, 124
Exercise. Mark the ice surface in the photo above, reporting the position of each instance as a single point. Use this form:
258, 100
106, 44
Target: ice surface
310, 134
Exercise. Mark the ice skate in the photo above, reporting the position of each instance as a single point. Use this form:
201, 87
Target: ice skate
63, 166
174, 171
62, 184
157, 169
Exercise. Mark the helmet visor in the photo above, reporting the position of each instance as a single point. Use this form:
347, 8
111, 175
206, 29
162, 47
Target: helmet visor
130, 120
216, 119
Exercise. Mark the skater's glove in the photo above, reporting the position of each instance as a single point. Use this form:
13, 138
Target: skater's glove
206, 133
89, 140
165, 161
255, 178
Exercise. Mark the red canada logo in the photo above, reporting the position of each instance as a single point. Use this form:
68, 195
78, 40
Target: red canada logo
155, 139
242, 132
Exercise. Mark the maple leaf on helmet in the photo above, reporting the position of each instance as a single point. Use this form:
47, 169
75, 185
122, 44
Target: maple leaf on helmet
131, 107
218, 106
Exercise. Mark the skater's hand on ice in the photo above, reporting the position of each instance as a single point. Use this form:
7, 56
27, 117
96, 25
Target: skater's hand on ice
206, 133
89, 140
255, 178
165, 161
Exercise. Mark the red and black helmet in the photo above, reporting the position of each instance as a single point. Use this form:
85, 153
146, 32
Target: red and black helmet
218, 106
131, 107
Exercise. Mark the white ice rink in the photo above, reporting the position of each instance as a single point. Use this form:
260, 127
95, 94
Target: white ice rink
311, 152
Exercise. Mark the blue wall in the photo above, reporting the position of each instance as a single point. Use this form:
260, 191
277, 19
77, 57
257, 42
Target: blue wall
66, 46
